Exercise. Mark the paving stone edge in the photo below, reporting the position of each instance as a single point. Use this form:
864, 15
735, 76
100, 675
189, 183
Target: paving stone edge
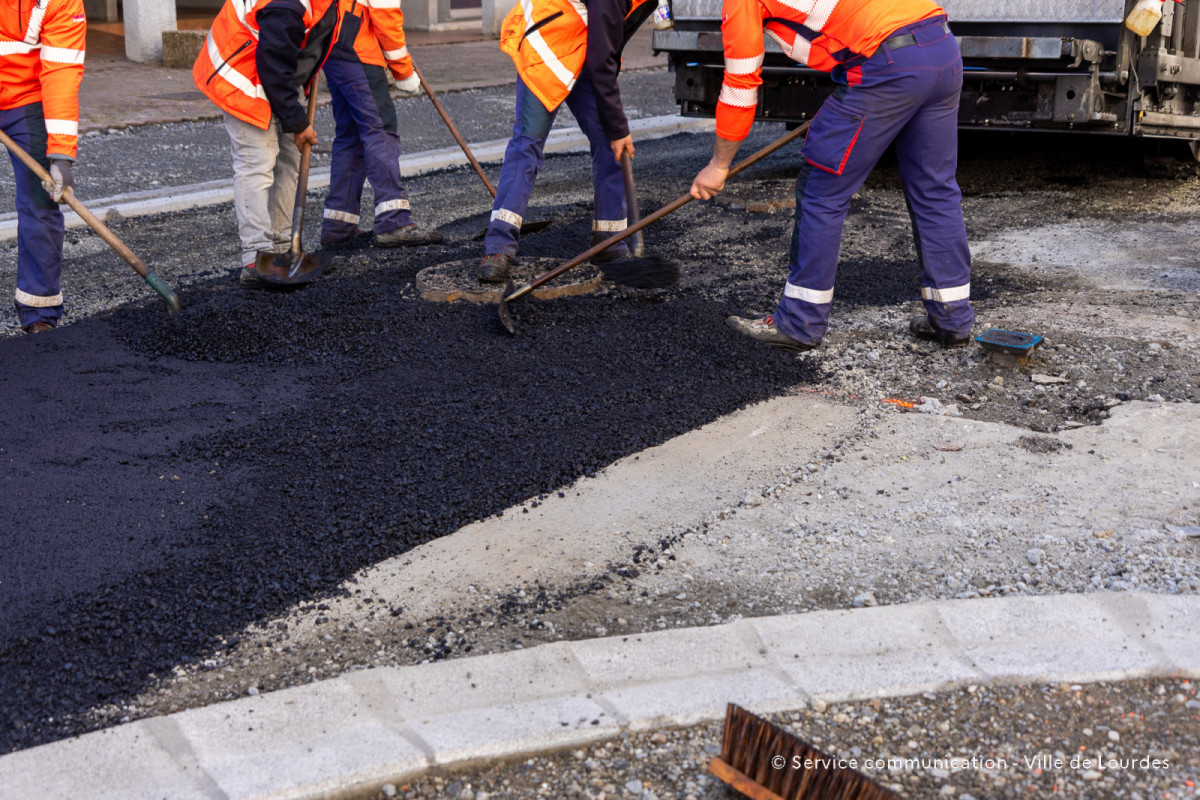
349, 735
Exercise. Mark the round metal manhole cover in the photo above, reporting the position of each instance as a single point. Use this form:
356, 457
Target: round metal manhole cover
456, 280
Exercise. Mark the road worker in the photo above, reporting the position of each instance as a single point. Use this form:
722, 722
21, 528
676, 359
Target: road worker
564, 50
366, 144
260, 56
41, 65
898, 75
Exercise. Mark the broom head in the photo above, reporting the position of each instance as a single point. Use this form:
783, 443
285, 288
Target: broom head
765, 762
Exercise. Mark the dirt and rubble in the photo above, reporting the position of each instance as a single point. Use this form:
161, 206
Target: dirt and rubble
245, 463
1131, 740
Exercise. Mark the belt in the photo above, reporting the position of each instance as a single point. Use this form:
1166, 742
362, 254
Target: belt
907, 39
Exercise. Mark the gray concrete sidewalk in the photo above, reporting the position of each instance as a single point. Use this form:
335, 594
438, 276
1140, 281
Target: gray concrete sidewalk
354, 733
117, 93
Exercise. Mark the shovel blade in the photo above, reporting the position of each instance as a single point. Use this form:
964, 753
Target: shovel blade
506, 318
287, 270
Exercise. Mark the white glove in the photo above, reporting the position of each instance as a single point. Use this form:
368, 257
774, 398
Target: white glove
409, 87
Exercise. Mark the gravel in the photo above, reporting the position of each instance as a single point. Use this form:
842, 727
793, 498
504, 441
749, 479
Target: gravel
1115, 740
246, 458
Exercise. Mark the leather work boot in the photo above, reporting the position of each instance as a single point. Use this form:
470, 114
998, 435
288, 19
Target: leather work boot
764, 330
39, 327
922, 328
408, 236
494, 268
328, 241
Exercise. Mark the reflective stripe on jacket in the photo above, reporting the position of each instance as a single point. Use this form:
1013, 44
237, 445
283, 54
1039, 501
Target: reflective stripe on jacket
226, 70
817, 33
42, 45
378, 37
547, 40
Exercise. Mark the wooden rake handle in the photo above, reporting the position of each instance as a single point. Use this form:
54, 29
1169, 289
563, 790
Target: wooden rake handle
650, 219
454, 132
156, 283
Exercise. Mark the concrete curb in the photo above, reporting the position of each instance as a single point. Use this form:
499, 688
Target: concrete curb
351, 734
209, 193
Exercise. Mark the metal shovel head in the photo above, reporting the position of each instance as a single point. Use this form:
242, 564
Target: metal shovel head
506, 318
287, 270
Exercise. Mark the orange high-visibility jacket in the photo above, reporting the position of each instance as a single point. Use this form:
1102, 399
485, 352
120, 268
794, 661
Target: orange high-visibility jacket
41, 60
547, 40
225, 70
380, 39
836, 30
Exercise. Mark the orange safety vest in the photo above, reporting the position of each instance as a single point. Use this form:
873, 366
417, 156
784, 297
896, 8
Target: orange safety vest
380, 38
225, 69
836, 29
41, 60
547, 40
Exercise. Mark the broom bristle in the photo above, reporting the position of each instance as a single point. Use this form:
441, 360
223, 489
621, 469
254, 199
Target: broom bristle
751, 743
647, 272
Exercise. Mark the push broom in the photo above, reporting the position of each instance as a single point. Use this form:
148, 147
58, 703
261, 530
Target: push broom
764, 762
156, 283
642, 273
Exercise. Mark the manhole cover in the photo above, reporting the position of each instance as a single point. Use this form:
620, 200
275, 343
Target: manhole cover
455, 280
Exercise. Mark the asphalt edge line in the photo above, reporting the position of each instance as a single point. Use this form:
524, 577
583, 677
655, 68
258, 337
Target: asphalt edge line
210, 193
516, 704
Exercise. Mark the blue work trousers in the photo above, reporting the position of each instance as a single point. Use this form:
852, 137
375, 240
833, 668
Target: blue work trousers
39, 222
525, 156
909, 96
366, 146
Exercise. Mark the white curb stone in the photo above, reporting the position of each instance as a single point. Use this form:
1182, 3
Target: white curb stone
210, 193
354, 733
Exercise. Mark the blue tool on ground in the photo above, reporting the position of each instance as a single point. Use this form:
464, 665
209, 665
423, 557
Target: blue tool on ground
1013, 343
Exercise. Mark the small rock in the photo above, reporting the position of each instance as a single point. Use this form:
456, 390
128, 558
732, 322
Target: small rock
1034, 555
867, 599
752, 499
1156, 398
252, 691
1038, 377
818, 705
1091, 775
634, 787
1113, 736
388, 789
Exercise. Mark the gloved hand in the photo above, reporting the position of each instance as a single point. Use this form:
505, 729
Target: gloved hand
409, 87
61, 178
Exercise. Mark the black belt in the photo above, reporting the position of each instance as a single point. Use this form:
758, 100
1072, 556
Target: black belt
907, 39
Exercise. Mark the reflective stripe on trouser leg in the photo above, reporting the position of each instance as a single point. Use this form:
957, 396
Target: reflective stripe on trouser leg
347, 163
608, 204
927, 151
523, 158
39, 223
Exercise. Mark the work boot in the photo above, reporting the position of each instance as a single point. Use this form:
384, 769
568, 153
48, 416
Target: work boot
408, 236
494, 268
40, 327
922, 328
766, 331
326, 241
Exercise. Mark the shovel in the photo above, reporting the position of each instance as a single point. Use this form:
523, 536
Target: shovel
509, 295
526, 227
296, 267
156, 283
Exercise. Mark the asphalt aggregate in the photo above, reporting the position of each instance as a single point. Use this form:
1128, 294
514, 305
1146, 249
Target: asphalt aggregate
170, 479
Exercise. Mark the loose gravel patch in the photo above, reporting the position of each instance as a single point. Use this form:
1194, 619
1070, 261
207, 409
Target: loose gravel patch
1137, 739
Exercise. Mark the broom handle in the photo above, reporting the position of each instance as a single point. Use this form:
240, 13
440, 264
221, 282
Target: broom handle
302, 177
95, 224
454, 132
674, 205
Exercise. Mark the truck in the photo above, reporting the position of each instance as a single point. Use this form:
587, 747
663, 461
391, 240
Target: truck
1044, 65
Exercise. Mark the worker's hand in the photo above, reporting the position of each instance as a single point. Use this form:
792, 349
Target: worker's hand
306, 136
620, 146
60, 179
409, 87
709, 182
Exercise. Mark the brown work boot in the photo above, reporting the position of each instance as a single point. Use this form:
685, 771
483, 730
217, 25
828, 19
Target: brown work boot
922, 328
494, 268
766, 331
39, 327
408, 236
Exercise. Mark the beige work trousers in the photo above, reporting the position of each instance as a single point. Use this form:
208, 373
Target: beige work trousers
266, 165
